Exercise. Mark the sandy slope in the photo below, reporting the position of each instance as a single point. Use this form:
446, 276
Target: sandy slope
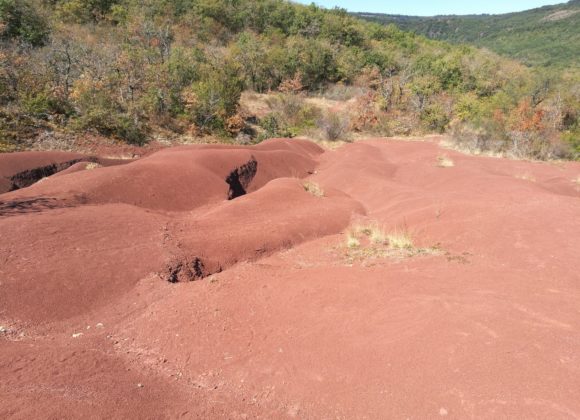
100, 318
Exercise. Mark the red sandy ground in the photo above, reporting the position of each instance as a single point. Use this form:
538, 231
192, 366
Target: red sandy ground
283, 323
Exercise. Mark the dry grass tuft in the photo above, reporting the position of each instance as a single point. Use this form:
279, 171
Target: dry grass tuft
352, 241
92, 165
400, 239
373, 231
313, 188
367, 242
377, 235
444, 161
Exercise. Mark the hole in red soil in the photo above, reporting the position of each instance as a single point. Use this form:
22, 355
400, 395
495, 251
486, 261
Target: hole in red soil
239, 179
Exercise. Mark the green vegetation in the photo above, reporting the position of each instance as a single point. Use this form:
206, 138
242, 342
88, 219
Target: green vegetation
20, 20
133, 70
547, 36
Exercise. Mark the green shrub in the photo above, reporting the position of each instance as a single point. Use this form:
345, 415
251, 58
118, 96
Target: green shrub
215, 97
16, 129
20, 20
572, 139
84, 11
467, 107
40, 104
273, 127
108, 123
435, 118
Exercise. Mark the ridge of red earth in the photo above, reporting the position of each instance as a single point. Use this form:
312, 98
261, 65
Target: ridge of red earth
176, 179
95, 306
22, 169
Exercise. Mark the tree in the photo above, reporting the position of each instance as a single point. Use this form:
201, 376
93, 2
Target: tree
84, 11
20, 20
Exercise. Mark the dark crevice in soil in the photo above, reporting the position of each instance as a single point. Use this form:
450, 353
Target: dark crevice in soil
30, 176
240, 178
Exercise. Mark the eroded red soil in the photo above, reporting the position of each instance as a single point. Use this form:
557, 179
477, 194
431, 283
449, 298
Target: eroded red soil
138, 290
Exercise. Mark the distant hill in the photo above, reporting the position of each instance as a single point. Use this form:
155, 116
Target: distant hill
547, 36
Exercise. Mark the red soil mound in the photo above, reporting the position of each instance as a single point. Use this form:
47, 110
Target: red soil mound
479, 320
180, 178
22, 169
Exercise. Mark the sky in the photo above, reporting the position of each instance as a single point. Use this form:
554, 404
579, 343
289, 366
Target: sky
433, 7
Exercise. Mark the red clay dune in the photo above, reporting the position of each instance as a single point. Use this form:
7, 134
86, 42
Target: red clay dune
99, 317
22, 169
181, 178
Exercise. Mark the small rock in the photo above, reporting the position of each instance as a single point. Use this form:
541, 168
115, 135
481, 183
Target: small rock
139, 385
77, 335
443, 412
99, 325
3, 329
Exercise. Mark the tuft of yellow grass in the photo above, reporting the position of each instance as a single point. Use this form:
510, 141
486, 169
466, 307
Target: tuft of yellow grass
368, 242
373, 231
351, 240
377, 235
92, 165
400, 239
313, 188
444, 161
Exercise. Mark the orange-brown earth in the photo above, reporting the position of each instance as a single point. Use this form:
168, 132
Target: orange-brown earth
206, 282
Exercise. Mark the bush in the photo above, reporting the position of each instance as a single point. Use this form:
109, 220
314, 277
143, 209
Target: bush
572, 139
273, 127
492, 137
16, 129
40, 104
478, 139
20, 20
288, 106
84, 11
215, 98
334, 126
109, 123
538, 145
434, 118
293, 114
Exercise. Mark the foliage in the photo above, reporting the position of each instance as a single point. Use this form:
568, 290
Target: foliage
547, 36
130, 68
20, 20
434, 118
334, 126
214, 98
85, 11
